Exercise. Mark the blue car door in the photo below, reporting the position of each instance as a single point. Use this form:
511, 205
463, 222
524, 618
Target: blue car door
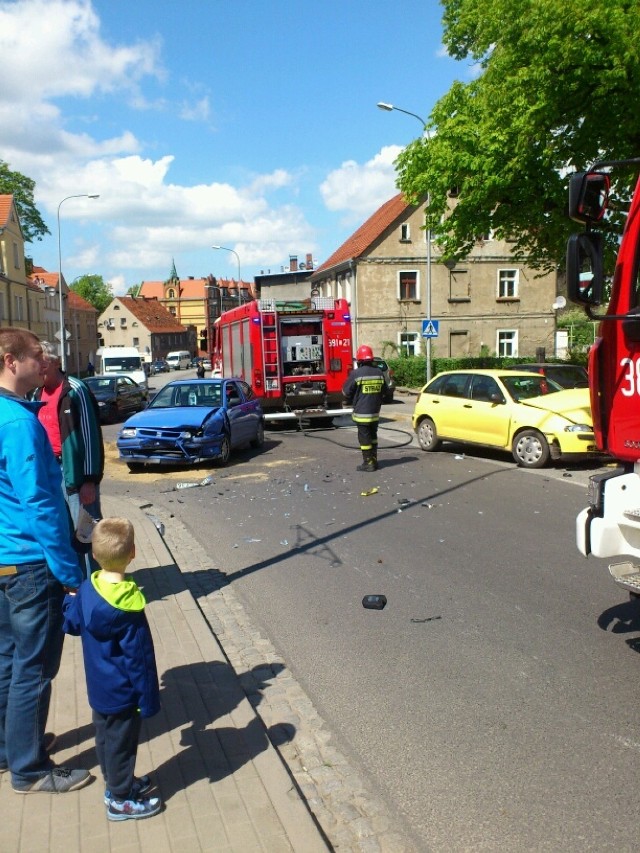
237, 414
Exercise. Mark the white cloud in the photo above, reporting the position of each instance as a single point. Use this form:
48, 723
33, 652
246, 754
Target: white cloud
142, 218
56, 49
359, 189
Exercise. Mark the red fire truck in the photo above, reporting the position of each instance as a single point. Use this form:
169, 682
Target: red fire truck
295, 355
610, 525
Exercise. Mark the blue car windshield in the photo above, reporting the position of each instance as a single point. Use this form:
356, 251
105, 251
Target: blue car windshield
207, 394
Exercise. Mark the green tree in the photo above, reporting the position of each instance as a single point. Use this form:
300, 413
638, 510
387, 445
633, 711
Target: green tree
21, 188
94, 289
557, 90
134, 290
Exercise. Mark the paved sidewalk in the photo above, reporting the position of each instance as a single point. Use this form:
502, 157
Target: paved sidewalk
224, 786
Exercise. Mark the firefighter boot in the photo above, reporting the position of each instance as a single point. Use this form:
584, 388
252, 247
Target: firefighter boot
368, 462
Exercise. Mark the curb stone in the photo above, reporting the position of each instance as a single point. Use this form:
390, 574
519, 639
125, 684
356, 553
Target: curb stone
351, 818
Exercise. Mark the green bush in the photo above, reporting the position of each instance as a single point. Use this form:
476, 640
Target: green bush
411, 372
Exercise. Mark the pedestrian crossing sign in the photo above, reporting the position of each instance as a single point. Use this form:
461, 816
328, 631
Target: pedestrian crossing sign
430, 328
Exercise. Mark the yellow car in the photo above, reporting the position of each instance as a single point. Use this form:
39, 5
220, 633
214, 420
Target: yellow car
526, 413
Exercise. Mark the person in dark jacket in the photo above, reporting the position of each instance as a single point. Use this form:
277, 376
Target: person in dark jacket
120, 667
365, 390
71, 419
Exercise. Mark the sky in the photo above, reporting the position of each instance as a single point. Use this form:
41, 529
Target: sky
251, 125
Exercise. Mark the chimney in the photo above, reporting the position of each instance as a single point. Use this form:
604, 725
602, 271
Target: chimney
309, 261
293, 263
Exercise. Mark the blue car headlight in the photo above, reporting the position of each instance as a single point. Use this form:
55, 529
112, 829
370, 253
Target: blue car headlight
186, 434
128, 432
578, 428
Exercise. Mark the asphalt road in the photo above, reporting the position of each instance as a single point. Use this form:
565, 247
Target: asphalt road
492, 703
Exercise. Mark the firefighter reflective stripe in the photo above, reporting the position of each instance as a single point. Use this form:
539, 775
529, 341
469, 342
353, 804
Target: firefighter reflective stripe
364, 419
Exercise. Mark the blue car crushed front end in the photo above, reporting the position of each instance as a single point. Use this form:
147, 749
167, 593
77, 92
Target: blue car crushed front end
185, 437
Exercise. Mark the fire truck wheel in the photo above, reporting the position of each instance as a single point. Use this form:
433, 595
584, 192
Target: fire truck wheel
258, 441
531, 449
225, 451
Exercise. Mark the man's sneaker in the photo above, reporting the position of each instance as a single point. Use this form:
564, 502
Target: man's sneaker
140, 787
58, 780
133, 809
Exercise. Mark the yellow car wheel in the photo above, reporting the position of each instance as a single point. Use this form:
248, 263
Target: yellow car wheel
427, 435
530, 449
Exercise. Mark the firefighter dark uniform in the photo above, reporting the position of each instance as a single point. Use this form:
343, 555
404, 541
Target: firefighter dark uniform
365, 390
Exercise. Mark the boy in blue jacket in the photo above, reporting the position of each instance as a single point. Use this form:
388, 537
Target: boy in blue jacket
119, 661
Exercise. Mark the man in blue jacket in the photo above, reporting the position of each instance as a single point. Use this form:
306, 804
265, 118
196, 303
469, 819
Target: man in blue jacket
37, 563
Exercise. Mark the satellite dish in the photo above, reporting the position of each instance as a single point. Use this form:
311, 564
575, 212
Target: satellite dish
301, 267
559, 303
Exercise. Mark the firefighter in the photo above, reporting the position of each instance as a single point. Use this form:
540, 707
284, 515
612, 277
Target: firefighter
365, 390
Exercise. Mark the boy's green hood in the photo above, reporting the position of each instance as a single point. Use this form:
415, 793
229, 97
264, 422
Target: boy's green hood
124, 595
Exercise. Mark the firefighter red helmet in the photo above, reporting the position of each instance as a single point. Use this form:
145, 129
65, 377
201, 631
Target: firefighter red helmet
364, 353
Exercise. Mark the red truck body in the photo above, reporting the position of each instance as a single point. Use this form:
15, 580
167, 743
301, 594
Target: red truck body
295, 355
610, 525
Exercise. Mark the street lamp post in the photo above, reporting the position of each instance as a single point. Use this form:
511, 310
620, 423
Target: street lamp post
233, 251
388, 108
63, 342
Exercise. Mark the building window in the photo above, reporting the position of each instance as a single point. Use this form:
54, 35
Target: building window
171, 293
405, 233
507, 343
409, 343
172, 310
136, 342
408, 286
16, 256
2, 315
508, 284
19, 309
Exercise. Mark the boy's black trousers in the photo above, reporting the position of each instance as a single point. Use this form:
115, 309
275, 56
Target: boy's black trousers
117, 737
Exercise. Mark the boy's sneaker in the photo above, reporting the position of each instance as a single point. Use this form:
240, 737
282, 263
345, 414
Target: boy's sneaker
140, 787
58, 780
133, 809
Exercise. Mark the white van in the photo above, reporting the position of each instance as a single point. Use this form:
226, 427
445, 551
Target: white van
125, 360
179, 359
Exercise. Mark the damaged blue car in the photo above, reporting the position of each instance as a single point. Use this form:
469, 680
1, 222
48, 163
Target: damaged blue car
192, 421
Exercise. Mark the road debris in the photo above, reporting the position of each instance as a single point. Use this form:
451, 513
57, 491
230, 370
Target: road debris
374, 602
207, 481
428, 619
368, 492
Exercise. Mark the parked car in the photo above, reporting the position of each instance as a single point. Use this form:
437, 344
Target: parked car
190, 421
526, 413
565, 375
160, 365
117, 395
388, 375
